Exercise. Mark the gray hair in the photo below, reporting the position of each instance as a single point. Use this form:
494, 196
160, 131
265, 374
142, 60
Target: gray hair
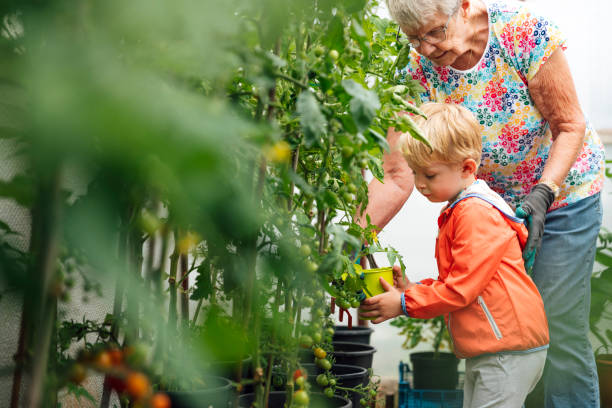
414, 14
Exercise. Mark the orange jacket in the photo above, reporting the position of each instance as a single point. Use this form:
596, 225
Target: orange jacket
489, 302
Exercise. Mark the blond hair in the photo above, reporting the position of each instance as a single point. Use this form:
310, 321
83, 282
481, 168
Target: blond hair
452, 132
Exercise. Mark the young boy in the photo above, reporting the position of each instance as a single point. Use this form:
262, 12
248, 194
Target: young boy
493, 311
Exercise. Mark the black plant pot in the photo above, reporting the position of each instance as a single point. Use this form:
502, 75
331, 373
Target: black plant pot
604, 372
355, 354
429, 373
305, 355
356, 334
277, 400
229, 369
347, 376
218, 394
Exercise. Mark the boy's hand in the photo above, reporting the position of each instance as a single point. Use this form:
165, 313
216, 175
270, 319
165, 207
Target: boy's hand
400, 281
384, 306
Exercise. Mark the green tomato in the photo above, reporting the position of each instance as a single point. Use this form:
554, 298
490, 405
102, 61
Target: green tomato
344, 304
322, 380
300, 381
330, 331
307, 301
333, 54
348, 197
347, 151
319, 50
305, 341
316, 337
305, 250
329, 392
352, 188
373, 393
301, 398
323, 363
332, 382
355, 302
312, 266
363, 402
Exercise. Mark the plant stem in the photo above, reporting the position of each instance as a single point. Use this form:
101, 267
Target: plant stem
295, 156
322, 224
185, 291
45, 224
174, 259
134, 268
117, 301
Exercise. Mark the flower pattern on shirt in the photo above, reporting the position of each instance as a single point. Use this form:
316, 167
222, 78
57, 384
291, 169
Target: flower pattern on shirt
516, 138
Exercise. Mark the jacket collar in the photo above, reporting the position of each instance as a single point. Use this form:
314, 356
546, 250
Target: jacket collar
480, 189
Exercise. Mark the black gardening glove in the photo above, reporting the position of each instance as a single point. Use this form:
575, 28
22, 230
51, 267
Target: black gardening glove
533, 210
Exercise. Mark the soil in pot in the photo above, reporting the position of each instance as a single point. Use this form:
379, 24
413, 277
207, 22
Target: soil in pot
604, 371
356, 334
355, 354
218, 393
277, 400
429, 373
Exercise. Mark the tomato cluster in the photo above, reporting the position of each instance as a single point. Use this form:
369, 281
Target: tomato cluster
124, 374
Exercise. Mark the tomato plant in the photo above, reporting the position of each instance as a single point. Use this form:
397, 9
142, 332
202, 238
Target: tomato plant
219, 151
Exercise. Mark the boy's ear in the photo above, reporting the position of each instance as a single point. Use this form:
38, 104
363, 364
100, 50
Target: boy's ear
469, 167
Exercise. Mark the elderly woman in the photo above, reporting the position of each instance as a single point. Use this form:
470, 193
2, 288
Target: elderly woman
507, 66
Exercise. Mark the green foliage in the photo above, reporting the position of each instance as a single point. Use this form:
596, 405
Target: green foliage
423, 330
209, 139
601, 290
601, 285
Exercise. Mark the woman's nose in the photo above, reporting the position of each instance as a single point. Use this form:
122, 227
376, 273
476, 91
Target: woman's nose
426, 48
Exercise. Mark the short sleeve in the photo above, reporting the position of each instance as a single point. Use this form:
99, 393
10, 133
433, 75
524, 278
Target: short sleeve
535, 39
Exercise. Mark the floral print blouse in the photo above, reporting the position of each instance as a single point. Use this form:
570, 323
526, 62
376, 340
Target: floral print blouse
516, 138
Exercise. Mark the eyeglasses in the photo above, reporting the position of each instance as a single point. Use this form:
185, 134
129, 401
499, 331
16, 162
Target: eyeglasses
433, 37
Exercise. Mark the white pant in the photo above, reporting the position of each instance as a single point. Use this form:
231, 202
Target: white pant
501, 380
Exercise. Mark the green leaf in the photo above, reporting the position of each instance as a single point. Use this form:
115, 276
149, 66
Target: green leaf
380, 139
406, 124
603, 258
407, 106
334, 39
203, 284
364, 103
340, 237
312, 120
376, 168
20, 188
403, 57
354, 6
79, 392
381, 24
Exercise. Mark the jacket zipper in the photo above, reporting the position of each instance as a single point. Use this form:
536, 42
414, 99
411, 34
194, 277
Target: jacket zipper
485, 309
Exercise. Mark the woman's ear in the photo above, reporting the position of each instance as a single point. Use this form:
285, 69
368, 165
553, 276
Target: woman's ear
468, 167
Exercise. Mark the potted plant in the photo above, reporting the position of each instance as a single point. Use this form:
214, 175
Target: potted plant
431, 369
601, 314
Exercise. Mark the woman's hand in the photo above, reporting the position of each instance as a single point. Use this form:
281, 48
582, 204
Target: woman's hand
400, 281
384, 306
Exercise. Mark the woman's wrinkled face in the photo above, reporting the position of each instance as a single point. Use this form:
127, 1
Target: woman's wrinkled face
446, 52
